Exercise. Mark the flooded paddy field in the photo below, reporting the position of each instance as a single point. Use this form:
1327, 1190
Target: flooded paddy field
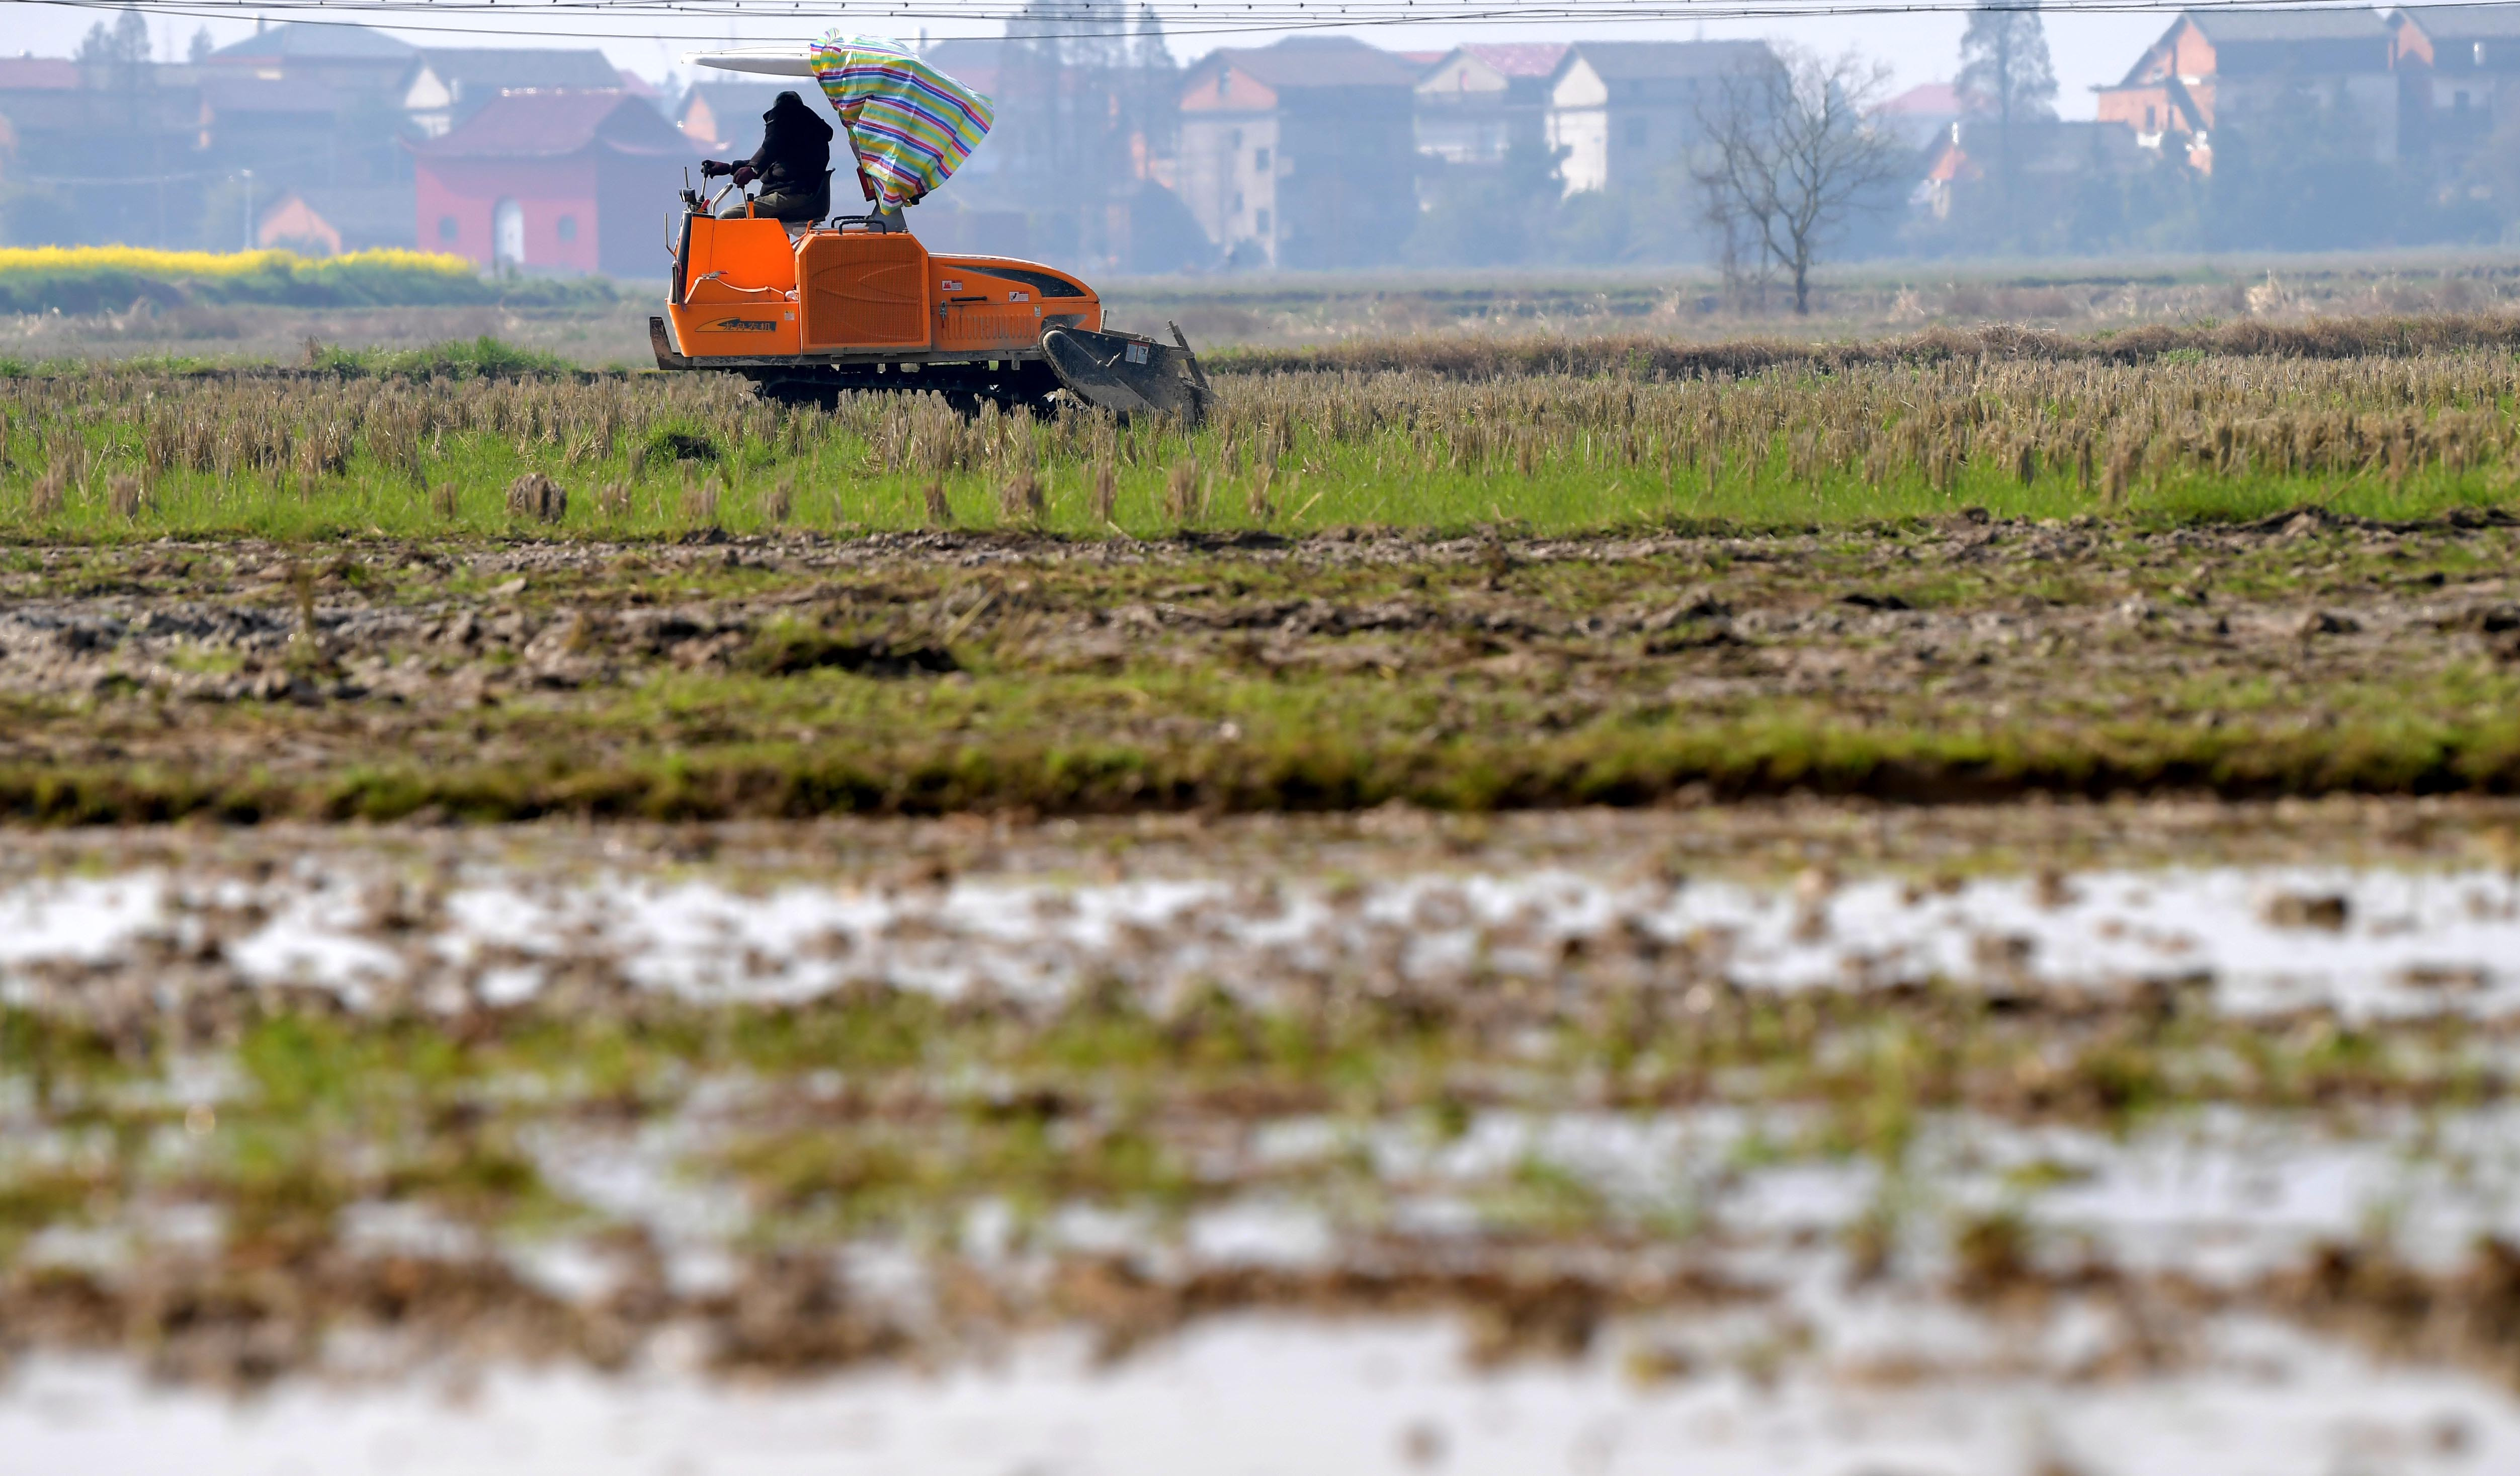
1780, 1135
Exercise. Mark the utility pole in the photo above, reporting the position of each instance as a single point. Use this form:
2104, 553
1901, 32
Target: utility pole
249, 209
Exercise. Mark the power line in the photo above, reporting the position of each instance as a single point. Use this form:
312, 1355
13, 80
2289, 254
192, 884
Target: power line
1177, 17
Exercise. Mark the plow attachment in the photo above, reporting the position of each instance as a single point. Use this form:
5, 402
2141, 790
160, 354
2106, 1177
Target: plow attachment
1129, 375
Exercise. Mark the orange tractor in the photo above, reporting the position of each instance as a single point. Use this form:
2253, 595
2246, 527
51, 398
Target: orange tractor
807, 312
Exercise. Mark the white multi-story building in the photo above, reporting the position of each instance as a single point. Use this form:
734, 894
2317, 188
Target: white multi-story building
1625, 110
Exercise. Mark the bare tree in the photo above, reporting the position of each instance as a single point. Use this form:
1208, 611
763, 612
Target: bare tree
1789, 159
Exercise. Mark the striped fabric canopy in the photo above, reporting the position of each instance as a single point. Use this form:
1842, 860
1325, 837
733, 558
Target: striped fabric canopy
910, 125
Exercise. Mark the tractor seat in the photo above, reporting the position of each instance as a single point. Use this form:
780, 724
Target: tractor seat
797, 229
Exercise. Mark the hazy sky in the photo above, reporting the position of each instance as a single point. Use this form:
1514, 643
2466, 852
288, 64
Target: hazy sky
2088, 49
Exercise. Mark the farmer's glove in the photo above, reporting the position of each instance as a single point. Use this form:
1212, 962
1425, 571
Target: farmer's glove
744, 175
711, 168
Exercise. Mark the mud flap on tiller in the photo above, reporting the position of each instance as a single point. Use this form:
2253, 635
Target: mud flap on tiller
1128, 375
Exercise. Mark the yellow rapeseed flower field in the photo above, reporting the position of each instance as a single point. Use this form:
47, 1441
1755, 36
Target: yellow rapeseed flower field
219, 263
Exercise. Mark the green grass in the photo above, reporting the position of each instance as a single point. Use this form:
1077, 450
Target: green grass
484, 358
1372, 483
427, 443
117, 279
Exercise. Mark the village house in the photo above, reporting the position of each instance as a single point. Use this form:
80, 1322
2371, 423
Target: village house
1921, 117
1475, 103
564, 182
50, 105
25, 80
2458, 78
2211, 68
451, 84
282, 129
107, 152
351, 58
2048, 157
314, 221
1623, 112
1300, 155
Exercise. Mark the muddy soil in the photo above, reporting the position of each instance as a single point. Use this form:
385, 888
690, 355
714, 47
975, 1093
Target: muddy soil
2092, 655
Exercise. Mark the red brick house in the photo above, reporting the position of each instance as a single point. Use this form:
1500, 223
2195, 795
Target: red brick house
554, 182
2213, 67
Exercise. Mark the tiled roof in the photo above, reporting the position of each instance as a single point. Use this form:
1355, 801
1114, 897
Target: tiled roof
1530, 59
555, 124
2223, 26
383, 214
1658, 60
2464, 22
315, 41
1318, 61
478, 72
251, 94
38, 73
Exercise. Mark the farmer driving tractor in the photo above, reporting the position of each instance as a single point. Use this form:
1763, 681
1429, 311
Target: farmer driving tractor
794, 165
907, 126
818, 305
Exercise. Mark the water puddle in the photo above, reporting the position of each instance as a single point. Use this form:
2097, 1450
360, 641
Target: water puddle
2368, 942
1271, 1395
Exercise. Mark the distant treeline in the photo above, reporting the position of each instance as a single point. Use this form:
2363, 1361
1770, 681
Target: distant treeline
85, 279
1476, 358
